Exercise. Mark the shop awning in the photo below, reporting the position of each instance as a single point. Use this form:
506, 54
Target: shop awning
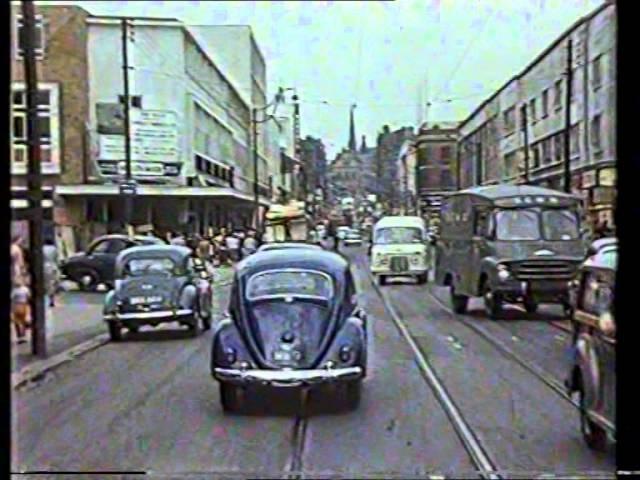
90, 190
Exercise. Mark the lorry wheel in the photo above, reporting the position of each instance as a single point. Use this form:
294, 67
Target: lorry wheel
492, 302
87, 280
531, 306
382, 280
230, 397
458, 302
115, 333
594, 435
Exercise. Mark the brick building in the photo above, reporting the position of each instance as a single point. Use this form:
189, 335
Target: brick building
388, 147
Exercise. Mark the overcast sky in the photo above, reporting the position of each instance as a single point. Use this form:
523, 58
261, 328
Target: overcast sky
380, 54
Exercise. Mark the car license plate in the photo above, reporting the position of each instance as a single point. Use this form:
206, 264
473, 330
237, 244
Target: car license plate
282, 356
141, 300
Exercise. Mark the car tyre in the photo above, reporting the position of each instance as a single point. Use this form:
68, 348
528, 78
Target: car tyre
115, 332
531, 306
458, 301
230, 397
87, 280
194, 325
353, 394
133, 329
594, 435
492, 302
382, 280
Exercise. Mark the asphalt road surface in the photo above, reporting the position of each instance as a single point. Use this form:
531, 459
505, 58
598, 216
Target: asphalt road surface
149, 404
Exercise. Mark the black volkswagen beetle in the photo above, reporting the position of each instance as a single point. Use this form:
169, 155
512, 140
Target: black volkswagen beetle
158, 284
294, 322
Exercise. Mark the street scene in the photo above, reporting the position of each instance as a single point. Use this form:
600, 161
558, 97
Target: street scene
227, 265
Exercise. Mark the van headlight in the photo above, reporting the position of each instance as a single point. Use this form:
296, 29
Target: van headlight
382, 258
503, 273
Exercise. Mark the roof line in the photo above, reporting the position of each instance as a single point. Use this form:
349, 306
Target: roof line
574, 26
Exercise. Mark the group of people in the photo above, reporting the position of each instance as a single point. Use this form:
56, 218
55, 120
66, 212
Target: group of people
225, 247
21, 282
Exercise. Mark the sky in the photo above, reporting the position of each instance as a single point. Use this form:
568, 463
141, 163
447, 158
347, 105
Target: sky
388, 58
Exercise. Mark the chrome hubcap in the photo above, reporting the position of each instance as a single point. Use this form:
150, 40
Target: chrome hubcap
86, 280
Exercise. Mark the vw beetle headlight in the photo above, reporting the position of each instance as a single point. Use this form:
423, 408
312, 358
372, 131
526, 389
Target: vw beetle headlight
503, 272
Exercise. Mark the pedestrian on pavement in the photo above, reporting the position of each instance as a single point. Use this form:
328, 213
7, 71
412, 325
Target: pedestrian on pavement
18, 264
221, 245
51, 271
250, 244
20, 309
232, 243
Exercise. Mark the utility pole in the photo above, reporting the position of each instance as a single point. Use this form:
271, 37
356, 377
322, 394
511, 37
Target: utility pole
256, 197
127, 189
34, 182
567, 125
526, 143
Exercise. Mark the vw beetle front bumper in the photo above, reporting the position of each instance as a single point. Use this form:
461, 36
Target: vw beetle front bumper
287, 378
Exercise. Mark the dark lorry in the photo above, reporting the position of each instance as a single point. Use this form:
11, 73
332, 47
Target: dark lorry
509, 243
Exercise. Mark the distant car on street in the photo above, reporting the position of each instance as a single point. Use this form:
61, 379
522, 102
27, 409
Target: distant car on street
95, 266
353, 237
158, 284
341, 232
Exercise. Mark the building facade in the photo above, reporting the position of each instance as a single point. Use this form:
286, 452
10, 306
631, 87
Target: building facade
314, 160
492, 145
190, 127
407, 177
436, 151
387, 150
63, 104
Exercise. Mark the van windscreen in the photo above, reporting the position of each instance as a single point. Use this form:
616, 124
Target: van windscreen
390, 235
517, 224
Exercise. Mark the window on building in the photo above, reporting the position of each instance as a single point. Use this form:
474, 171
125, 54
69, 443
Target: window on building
558, 147
596, 72
557, 103
532, 110
46, 109
545, 103
546, 150
445, 153
575, 139
509, 164
536, 155
509, 118
596, 130
445, 178
134, 100
39, 37
573, 86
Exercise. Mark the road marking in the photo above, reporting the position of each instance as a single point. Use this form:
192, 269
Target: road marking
476, 451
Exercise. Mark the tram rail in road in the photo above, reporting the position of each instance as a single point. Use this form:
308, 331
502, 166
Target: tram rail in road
487, 468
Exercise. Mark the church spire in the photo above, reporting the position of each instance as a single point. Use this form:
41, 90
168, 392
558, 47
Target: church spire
352, 131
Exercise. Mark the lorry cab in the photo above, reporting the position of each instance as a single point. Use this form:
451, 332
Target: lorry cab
508, 243
399, 248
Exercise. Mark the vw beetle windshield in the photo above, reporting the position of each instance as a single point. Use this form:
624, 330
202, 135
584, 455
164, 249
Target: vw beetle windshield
391, 235
288, 283
145, 266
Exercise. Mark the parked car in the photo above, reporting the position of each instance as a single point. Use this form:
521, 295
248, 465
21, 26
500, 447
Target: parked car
353, 237
158, 284
287, 245
509, 244
400, 247
293, 321
95, 266
593, 371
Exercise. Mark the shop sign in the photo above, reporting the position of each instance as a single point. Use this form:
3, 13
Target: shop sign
607, 177
589, 179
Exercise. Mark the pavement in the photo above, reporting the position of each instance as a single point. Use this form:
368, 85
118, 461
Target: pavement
149, 404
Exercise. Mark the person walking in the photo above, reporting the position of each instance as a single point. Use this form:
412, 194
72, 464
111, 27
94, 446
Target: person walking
20, 309
51, 271
232, 243
18, 264
250, 245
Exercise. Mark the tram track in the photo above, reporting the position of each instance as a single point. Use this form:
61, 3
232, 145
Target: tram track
478, 453
507, 352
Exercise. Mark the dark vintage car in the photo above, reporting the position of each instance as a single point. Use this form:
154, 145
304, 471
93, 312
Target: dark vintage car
294, 322
287, 245
95, 266
158, 284
593, 371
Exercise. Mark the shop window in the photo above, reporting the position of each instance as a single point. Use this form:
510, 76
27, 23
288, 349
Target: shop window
575, 139
532, 110
558, 146
536, 155
546, 150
